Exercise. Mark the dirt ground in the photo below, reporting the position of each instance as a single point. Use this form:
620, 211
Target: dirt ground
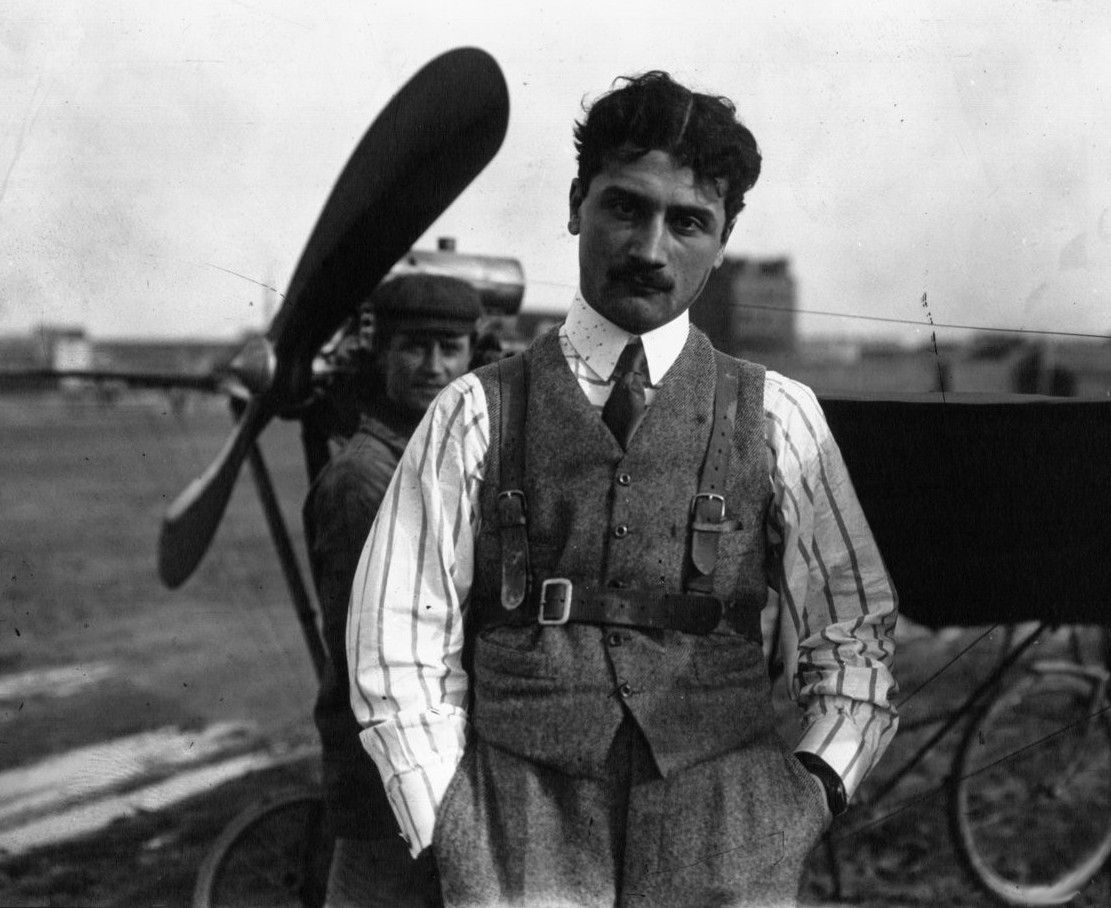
82, 490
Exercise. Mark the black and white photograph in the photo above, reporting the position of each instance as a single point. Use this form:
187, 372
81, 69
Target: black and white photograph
573, 455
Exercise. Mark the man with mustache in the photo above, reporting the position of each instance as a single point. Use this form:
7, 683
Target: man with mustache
591, 556
421, 340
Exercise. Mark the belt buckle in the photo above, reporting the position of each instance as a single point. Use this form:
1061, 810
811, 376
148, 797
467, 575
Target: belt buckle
565, 612
511, 508
710, 498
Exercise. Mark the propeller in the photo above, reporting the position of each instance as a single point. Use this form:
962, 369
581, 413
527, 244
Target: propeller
432, 139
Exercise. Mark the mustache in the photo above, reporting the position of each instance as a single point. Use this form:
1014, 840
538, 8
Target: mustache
646, 276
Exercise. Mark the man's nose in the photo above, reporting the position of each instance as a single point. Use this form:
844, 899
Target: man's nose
433, 358
649, 241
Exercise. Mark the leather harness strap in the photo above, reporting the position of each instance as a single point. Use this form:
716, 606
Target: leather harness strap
559, 600
708, 507
512, 506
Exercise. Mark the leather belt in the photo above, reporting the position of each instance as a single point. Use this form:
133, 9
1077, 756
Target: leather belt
559, 601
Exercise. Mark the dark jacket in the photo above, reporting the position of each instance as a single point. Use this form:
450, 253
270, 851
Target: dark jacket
338, 513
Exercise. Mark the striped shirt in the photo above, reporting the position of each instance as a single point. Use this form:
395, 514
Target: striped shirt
829, 618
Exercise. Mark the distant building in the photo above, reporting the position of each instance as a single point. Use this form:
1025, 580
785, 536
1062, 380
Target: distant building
749, 306
28, 361
61, 347
21, 351
70, 351
165, 355
68, 347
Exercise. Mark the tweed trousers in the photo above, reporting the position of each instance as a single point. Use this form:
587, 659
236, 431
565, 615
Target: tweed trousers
731, 831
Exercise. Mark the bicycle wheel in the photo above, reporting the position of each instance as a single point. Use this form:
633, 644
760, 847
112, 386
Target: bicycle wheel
1030, 795
274, 854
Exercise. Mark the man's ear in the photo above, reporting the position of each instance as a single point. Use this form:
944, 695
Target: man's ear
575, 200
724, 241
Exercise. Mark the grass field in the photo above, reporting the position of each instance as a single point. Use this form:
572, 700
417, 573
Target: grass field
82, 491
80, 507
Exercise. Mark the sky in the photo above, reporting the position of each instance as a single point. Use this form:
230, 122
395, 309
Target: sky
161, 162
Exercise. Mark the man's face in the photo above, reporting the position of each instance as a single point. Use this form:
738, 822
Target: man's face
649, 236
420, 364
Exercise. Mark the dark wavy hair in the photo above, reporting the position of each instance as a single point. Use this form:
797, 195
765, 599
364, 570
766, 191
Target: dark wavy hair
653, 112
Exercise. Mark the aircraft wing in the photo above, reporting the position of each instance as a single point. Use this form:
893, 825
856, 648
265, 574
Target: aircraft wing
986, 509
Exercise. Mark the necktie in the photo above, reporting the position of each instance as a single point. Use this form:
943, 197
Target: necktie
624, 410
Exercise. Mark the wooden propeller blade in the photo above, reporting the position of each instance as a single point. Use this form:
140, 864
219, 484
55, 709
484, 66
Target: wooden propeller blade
191, 521
422, 151
432, 139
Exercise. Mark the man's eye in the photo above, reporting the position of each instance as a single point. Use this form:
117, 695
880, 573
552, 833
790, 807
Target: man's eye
622, 208
689, 225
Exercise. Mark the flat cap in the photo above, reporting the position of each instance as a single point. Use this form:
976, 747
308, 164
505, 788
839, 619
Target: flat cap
426, 302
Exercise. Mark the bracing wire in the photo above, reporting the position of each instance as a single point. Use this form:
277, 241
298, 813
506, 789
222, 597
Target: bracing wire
941, 671
916, 323
986, 329
921, 796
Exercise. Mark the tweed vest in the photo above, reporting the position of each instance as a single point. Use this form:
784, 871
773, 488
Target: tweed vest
617, 518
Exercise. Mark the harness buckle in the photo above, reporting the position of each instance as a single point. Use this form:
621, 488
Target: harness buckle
701, 504
511, 508
560, 598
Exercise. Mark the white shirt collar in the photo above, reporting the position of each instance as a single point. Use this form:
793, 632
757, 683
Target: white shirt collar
599, 342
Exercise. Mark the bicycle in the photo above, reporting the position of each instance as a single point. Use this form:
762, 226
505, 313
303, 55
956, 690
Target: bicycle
1029, 784
274, 854
1030, 790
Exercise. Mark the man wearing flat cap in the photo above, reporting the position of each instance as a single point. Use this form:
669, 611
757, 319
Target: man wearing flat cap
424, 328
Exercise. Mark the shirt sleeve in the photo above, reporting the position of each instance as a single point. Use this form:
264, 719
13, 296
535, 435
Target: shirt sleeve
405, 624
832, 605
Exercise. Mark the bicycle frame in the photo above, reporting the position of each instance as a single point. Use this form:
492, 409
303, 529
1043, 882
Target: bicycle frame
966, 709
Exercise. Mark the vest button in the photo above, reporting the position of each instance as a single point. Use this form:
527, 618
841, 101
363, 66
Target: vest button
623, 479
614, 640
625, 690
621, 531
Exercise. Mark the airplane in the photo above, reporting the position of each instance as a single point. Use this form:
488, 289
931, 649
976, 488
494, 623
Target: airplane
986, 507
